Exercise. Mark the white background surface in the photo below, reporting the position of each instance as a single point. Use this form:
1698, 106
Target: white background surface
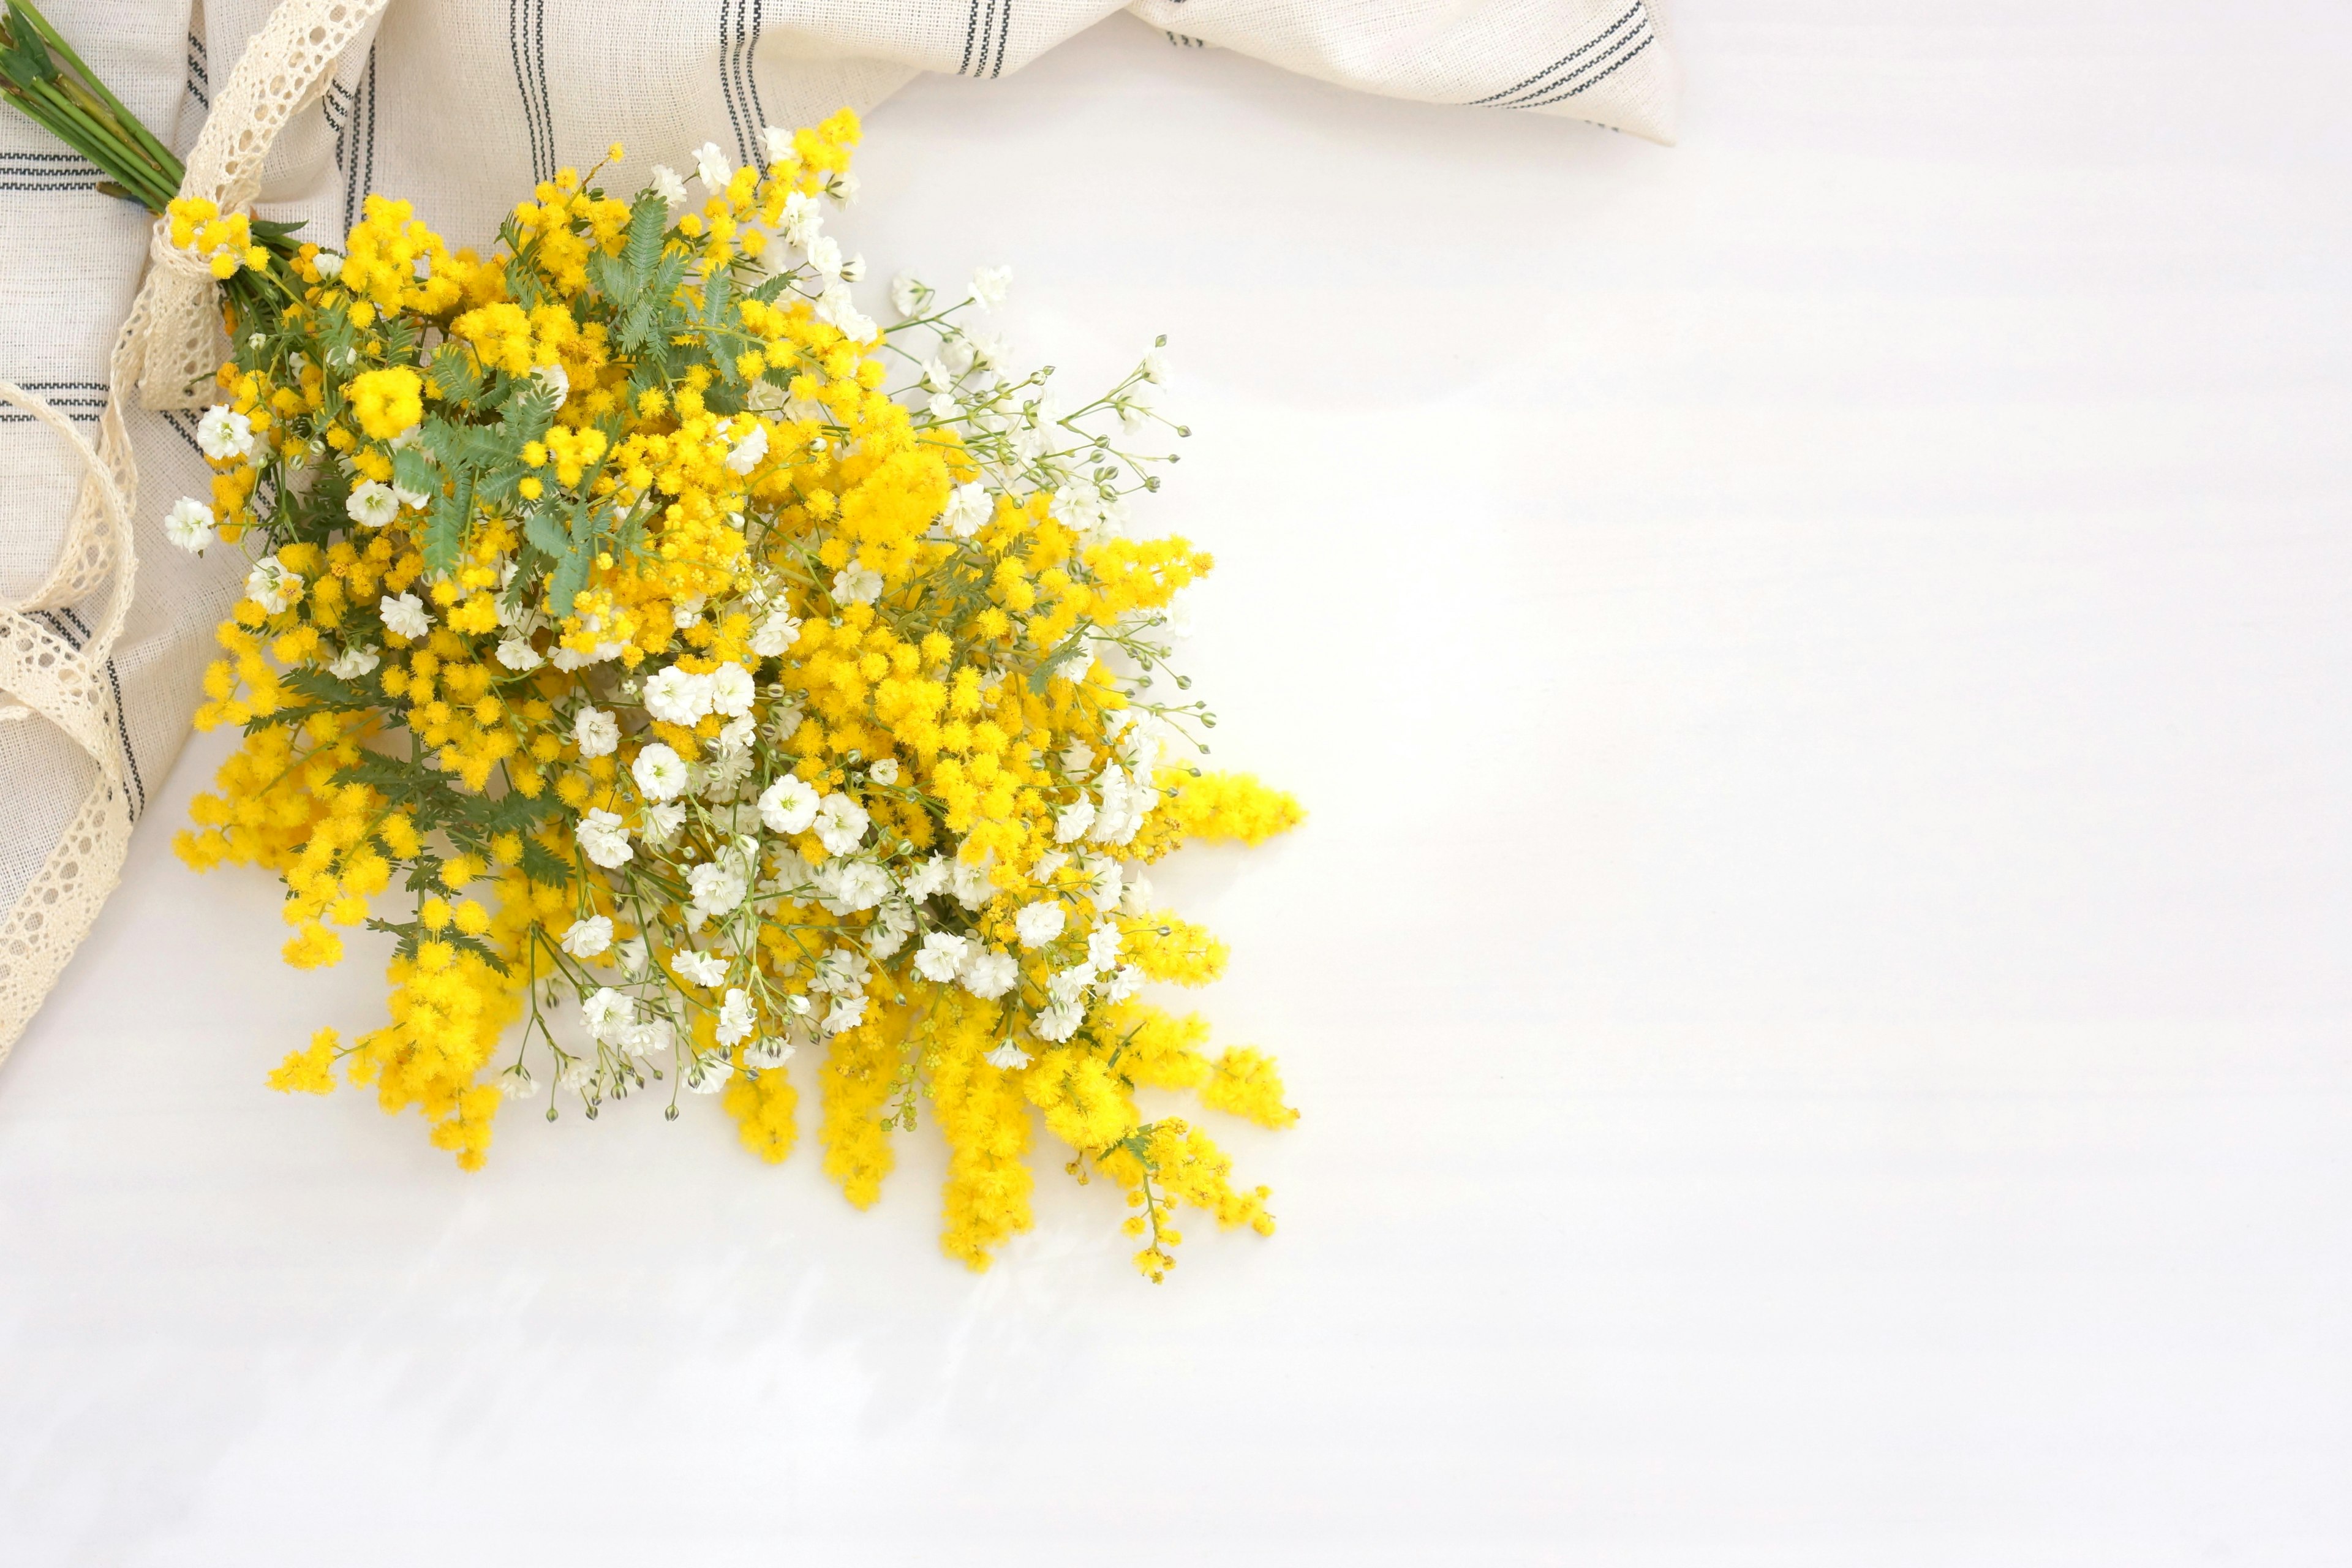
1818, 976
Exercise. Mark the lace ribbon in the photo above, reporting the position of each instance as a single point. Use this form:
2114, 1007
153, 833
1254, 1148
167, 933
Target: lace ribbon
170, 346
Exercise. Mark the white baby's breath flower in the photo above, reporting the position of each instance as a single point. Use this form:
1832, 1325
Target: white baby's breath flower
596, 733
699, 968
854, 885
1124, 981
777, 144
1102, 944
967, 508
354, 662
711, 167
840, 823
988, 286
1070, 824
648, 1039
1038, 923
804, 218
189, 524
329, 264
971, 883
941, 956
885, 772
926, 878
837, 308
516, 1083
404, 616
586, 939
224, 434
907, 292
678, 696
732, 691
667, 186
1009, 1057
372, 504
607, 1013
843, 188
788, 806
271, 585
937, 376
942, 406
989, 972
768, 1051
847, 1012
735, 737
736, 1016
554, 379
1155, 366
856, 585
519, 656
717, 888
603, 840
747, 452
1059, 1021
775, 635
662, 822
709, 1073
824, 255
661, 773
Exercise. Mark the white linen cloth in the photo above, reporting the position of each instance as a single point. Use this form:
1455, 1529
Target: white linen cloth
461, 105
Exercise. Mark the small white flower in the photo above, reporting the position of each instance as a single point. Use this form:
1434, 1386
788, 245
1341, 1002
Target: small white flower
989, 974
662, 822
607, 1013
852, 269
648, 1039
678, 696
967, 508
842, 971
843, 188
516, 1082
1072, 821
718, 889
788, 806
840, 824
414, 500
836, 308
736, 1018
885, 772
519, 656
824, 255
1155, 366
711, 167
404, 614
329, 264
907, 292
735, 738
224, 434
554, 378
661, 773
1123, 983
801, 219
777, 142
372, 505
354, 662
847, 1012
586, 939
667, 186
768, 1051
941, 956
988, 348
271, 585
699, 968
971, 884
732, 691
687, 611
988, 286
603, 840
1102, 944
929, 879
1038, 923
709, 1072
856, 585
577, 1074
1106, 891
943, 407
747, 452
1060, 1021
1009, 1057
937, 376
189, 524
596, 733
778, 633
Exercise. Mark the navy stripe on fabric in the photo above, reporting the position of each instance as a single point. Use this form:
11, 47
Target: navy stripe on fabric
1542, 81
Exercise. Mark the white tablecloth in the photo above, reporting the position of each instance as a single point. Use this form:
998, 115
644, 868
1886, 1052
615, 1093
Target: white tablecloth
1817, 977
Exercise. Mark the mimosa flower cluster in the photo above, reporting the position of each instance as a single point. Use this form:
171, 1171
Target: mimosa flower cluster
697, 702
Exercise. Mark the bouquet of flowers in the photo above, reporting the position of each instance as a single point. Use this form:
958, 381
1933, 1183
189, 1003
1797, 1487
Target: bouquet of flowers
689, 674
